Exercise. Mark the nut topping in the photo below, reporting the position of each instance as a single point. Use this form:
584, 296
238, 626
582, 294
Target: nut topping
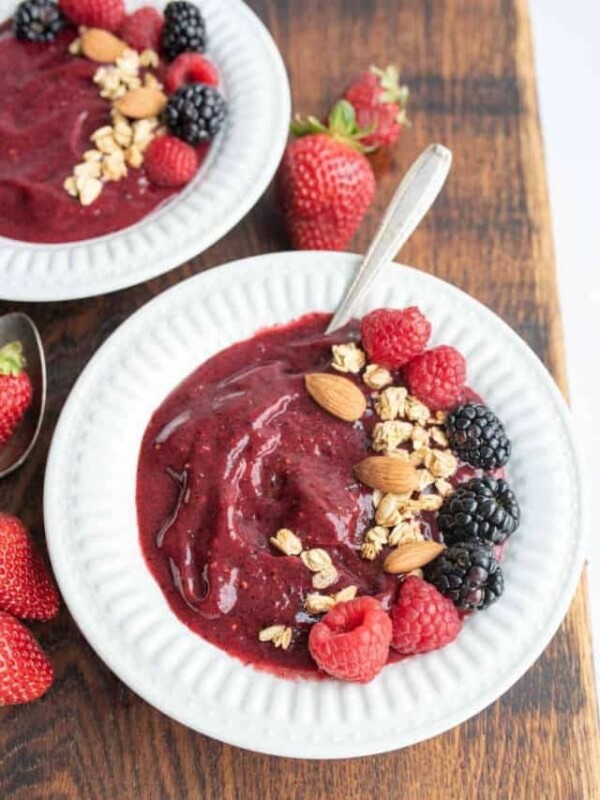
325, 578
337, 395
316, 603
408, 530
377, 377
287, 542
391, 403
387, 473
348, 357
412, 555
279, 635
390, 434
100, 45
316, 559
141, 103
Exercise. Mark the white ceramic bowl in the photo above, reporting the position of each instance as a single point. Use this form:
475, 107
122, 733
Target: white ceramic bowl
93, 537
241, 162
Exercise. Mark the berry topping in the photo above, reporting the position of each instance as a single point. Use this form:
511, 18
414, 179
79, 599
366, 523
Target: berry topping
184, 30
380, 105
422, 618
477, 436
467, 573
324, 182
195, 113
190, 68
142, 30
106, 14
25, 672
26, 589
437, 377
352, 641
37, 21
16, 390
393, 337
170, 162
482, 508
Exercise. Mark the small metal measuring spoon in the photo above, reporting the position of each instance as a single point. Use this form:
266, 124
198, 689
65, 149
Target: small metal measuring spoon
411, 201
19, 327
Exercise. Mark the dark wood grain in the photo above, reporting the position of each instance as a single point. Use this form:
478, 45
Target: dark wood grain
469, 63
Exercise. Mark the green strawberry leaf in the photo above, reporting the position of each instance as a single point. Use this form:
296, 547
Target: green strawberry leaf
12, 359
342, 119
393, 92
305, 126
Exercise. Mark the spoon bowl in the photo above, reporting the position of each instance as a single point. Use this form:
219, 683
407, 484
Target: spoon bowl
19, 327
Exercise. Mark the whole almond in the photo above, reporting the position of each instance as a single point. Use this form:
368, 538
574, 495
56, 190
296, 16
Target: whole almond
336, 395
412, 555
141, 103
99, 45
388, 473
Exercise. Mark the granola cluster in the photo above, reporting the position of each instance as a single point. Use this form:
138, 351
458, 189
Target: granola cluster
324, 574
406, 429
121, 145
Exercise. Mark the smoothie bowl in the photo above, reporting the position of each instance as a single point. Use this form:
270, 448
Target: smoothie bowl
129, 148
205, 531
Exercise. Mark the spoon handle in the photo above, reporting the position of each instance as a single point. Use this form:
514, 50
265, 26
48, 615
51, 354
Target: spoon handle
411, 201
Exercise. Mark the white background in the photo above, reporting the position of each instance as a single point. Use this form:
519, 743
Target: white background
567, 44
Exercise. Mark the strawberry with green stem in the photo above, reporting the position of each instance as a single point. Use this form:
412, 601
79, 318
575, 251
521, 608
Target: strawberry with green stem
16, 390
379, 101
324, 183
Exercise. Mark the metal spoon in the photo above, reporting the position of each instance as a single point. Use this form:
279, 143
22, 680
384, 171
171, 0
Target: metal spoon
18, 327
411, 201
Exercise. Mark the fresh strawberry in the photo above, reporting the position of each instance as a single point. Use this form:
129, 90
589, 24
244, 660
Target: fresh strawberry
25, 671
106, 14
324, 182
391, 337
352, 641
16, 390
170, 162
190, 68
380, 105
422, 618
142, 30
437, 377
26, 589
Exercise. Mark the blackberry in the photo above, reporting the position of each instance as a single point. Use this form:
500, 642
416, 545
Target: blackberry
184, 30
37, 21
195, 113
477, 436
482, 508
468, 574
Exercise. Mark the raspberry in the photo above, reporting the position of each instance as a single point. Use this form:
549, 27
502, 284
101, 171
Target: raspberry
437, 377
190, 68
107, 14
170, 162
422, 618
142, 30
391, 337
352, 641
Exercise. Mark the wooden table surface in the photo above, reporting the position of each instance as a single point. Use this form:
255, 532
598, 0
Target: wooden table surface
469, 65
